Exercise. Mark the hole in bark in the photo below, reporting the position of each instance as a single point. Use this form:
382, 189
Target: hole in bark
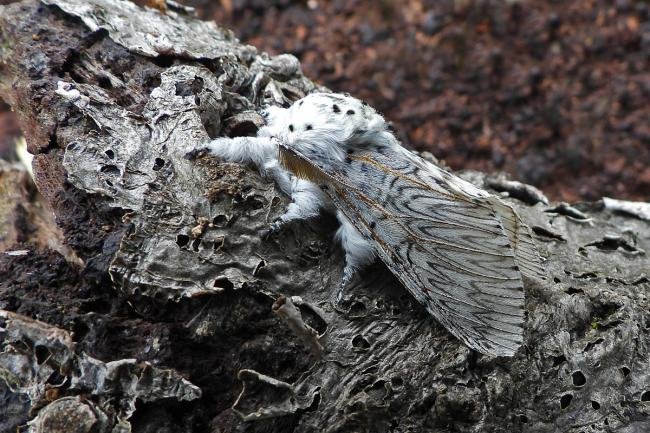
314, 404
565, 401
523, 419
220, 221
595, 404
108, 182
349, 112
289, 94
79, 330
593, 344
219, 243
308, 127
545, 233
397, 381
164, 61
573, 291
357, 308
182, 240
158, 164
578, 378
259, 267
625, 371
42, 353
110, 169
567, 210
195, 245
557, 360
612, 243
645, 396
104, 82
641, 281
291, 128
250, 202
359, 342
313, 319
556, 280
95, 305
244, 128
110, 153
336, 108
56, 378
223, 283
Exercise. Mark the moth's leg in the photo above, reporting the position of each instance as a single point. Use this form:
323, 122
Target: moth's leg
256, 150
260, 151
307, 200
359, 252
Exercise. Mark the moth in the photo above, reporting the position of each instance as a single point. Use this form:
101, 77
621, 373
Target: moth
460, 251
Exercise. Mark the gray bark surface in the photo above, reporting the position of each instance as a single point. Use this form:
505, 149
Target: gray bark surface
165, 311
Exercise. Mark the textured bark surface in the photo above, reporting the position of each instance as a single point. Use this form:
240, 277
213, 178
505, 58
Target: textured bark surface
172, 315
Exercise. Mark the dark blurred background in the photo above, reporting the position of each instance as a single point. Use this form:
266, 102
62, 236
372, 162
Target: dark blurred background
554, 92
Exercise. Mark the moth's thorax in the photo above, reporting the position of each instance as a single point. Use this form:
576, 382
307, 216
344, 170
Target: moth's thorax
325, 127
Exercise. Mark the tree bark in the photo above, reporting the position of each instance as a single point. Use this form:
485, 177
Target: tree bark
161, 309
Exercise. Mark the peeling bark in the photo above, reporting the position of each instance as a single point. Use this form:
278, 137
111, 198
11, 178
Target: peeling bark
172, 271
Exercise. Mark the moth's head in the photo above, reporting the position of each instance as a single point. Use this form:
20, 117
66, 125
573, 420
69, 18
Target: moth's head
324, 126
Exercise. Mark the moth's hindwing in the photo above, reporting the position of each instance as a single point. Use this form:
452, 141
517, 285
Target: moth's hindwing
449, 248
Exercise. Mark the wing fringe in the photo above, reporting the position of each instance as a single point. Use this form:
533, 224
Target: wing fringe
521, 240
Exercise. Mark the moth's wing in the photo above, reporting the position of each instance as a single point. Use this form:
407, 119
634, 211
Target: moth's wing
521, 241
447, 247
526, 253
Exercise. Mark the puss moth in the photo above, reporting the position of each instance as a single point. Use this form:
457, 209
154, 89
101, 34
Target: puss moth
459, 250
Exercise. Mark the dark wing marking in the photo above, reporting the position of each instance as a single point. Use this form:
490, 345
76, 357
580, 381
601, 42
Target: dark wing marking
444, 240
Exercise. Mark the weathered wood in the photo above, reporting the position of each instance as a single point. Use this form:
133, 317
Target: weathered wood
175, 274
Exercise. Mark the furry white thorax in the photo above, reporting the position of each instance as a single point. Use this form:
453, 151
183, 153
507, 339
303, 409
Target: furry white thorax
322, 127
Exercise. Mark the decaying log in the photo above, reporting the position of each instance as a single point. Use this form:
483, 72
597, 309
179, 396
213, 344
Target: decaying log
169, 270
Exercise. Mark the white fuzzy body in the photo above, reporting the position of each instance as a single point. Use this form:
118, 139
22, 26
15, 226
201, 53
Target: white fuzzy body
312, 127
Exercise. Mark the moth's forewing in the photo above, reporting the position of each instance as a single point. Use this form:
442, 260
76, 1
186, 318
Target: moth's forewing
449, 249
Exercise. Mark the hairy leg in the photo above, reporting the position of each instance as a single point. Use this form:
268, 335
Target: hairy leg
359, 252
255, 150
307, 199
